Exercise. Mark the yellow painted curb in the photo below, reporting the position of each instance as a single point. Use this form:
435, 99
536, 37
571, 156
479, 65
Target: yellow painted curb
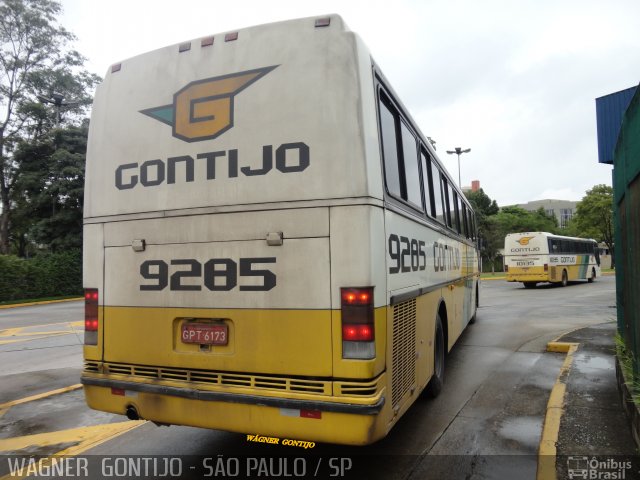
84, 437
43, 302
7, 405
555, 408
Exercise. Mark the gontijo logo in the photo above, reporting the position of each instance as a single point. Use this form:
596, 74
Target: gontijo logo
203, 109
524, 240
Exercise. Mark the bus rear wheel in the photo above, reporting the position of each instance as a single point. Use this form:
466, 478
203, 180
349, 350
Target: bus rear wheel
593, 276
529, 284
565, 279
434, 387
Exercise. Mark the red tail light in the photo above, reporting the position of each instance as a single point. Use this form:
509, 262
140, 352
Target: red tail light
506, 268
546, 267
358, 331
91, 298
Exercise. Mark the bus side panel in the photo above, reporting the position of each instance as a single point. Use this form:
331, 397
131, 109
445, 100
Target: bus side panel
92, 277
357, 253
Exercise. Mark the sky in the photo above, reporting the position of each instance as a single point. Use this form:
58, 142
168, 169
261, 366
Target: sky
513, 80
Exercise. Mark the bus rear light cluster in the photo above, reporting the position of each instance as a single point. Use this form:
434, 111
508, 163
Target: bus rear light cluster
91, 298
358, 331
546, 267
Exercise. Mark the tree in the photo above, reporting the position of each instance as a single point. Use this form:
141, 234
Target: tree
481, 203
484, 209
594, 216
48, 212
35, 64
516, 219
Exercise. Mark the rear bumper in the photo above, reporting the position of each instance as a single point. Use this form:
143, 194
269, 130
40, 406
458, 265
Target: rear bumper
211, 396
531, 277
342, 421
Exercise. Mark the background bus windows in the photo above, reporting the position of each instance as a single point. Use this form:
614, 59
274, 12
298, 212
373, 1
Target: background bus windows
390, 150
411, 168
427, 182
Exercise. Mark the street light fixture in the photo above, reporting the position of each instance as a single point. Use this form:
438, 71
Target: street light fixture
57, 101
459, 151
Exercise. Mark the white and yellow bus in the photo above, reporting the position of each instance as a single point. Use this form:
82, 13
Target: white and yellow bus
271, 246
536, 257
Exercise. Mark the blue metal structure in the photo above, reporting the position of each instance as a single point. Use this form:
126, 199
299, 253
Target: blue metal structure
609, 112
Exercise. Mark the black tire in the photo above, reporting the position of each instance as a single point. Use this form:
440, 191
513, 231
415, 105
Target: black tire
593, 276
472, 320
565, 279
529, 284
434, 387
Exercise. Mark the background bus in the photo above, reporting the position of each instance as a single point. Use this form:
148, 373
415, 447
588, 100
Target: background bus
535, 257
271, 246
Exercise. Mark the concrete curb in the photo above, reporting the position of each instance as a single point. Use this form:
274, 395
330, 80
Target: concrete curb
43, 302
555, 407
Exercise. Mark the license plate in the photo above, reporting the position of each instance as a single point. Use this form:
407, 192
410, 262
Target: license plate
205, 333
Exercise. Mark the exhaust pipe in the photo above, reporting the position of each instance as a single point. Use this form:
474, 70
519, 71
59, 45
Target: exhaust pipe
132, 413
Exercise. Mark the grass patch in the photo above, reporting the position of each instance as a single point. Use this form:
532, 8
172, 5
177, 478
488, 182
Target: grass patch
493, 275
35, 300
625, 358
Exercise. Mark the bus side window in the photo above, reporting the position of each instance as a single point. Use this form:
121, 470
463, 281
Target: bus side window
452, 198
411, 167
436, 188
463, 221
427, 185
459, 215
455, 217
446, 200
472, 226
390, 150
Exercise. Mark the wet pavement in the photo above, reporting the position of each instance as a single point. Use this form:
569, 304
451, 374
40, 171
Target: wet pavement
595, 439
486, 423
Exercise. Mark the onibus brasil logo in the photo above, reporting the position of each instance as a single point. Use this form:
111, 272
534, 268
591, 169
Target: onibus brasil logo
203, 110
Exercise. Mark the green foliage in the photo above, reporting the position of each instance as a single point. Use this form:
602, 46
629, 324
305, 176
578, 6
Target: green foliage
627, 361
36, 66
516, 219
594, 216
48, 209
482, 204
485, 209
41, 276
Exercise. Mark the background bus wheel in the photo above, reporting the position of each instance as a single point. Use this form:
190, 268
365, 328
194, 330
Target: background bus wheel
565, 280
529, 284
593, 276
434, 387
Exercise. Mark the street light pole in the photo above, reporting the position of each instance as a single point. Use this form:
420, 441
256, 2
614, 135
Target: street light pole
459, 151
57, 101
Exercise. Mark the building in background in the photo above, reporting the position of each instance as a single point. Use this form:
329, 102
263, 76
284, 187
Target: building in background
475, 186
563, 210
